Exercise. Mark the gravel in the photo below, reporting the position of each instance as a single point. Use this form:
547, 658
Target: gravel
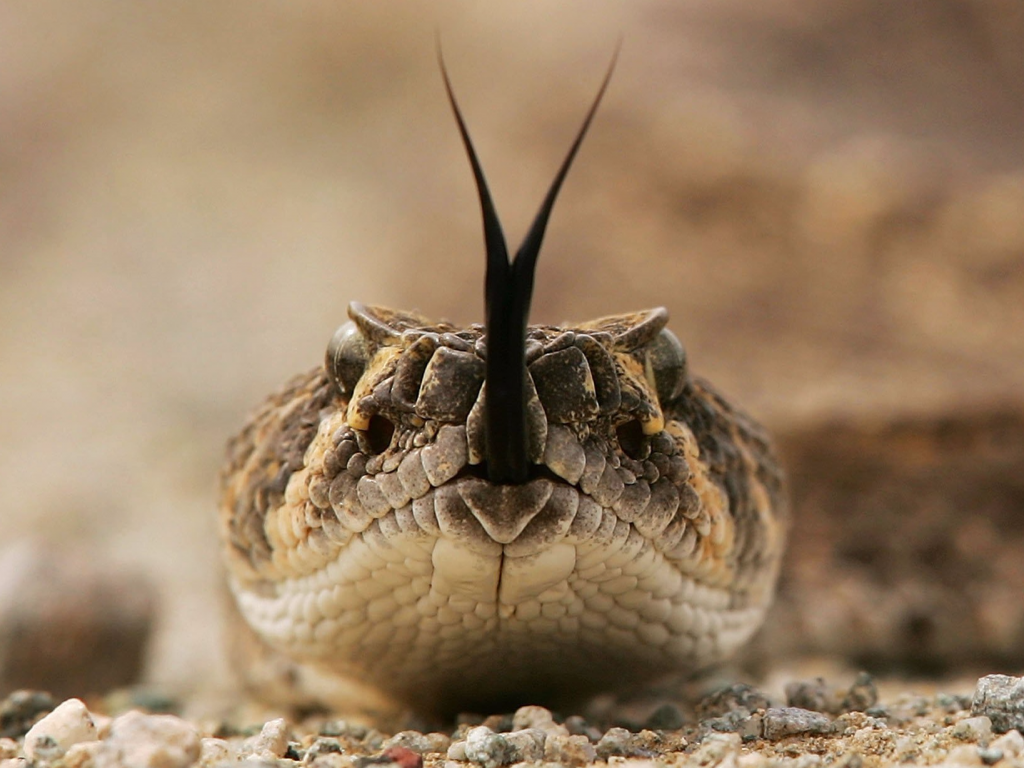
737, 726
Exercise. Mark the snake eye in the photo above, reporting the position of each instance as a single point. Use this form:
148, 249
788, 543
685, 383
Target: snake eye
666, 365
347, 356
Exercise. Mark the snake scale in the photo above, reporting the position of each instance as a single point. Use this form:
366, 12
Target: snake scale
456, 517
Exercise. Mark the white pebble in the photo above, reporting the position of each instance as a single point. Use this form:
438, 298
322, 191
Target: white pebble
973, 729
51, 737
149, 741
213, 751
1010, 743
457, 751
272, 740
964, 754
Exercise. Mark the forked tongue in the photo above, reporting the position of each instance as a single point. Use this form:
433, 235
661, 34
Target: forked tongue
508, 288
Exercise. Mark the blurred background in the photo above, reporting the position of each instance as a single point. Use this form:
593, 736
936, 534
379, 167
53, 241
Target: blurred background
828, 197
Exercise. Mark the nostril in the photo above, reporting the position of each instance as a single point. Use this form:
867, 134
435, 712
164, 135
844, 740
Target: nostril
379, 433
632, 440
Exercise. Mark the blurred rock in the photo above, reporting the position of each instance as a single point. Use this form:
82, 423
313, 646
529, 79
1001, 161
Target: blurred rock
906, 541
69, 624
819, 696
149, 741
20, 710
739, 696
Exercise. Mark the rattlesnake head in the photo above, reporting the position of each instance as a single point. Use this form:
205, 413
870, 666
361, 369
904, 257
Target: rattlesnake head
458, 517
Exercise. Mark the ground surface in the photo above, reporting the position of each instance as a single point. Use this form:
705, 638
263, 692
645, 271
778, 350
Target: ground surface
828, 198
817, 724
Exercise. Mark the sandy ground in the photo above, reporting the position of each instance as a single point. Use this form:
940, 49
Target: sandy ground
828, 198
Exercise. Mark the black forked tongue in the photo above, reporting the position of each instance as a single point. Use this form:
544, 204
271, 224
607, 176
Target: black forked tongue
508, 289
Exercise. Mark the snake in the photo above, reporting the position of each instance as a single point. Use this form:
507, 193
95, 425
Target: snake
452, 518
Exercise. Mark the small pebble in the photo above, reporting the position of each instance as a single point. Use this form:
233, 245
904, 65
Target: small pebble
1011, 743
732, 698
973, 729
373, 740
990, 756
537, 717
964, 754
421, 743
751, 727
271, 742
213, 751
323, 746
486, 747
622, 743
906, 748
1001, 699
780, 722
815, 695
149, 741
715, 748
862, 695
51, 737
8, 748
457, 751
572, 750
526, 745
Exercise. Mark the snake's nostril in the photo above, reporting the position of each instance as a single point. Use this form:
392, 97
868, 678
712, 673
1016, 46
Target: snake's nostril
379, 433
631, 439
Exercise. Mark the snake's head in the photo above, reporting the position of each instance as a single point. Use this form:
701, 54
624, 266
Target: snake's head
502, 513
406, 378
